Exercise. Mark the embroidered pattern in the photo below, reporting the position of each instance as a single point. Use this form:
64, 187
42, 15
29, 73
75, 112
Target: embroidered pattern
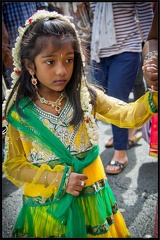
75, 141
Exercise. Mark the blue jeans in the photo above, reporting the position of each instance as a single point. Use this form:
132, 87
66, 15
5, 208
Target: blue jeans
117, 75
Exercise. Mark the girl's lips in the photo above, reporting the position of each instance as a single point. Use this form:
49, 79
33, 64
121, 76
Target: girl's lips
59, 82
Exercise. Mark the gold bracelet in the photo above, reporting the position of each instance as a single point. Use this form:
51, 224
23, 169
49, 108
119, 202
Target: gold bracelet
45, 180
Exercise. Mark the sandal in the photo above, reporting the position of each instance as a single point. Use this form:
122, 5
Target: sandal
107, 144
131, 142
134, 139
116, 164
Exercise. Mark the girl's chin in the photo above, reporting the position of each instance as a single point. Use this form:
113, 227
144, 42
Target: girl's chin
53, 89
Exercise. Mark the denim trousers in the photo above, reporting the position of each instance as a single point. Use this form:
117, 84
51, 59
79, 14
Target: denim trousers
117, 74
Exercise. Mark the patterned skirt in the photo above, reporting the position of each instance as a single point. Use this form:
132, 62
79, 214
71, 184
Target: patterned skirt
96, 203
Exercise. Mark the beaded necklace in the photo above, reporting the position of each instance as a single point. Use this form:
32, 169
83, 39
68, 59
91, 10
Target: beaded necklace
55, 105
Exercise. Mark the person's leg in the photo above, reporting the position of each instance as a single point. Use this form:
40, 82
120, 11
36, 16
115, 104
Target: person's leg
139, 89
121, 78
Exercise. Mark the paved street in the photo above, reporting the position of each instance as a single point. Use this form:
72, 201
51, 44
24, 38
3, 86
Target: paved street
136, 189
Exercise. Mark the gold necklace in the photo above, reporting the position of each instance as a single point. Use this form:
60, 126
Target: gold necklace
56, 105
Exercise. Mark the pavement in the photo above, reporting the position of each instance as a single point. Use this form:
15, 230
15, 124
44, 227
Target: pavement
135, 188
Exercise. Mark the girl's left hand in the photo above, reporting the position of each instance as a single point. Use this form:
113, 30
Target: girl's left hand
76, 183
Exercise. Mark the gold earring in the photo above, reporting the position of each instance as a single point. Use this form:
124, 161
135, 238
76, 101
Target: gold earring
34, 81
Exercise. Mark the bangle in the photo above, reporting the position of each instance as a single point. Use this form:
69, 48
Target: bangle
149, 55
45, 180
151, 105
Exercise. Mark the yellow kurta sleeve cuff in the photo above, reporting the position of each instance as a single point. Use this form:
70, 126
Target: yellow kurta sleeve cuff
154, 101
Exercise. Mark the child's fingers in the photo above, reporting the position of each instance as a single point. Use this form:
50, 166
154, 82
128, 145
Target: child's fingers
150, 61
83, 177
76, 183
150, 68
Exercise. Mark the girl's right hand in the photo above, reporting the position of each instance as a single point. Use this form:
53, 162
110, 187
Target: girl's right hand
76, 183
151, 65
150, 71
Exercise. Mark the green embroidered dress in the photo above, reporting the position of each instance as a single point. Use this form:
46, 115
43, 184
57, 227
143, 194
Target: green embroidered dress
32, 147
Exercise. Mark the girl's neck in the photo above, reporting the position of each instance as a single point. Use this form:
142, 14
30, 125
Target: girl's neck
52, 106
50, 95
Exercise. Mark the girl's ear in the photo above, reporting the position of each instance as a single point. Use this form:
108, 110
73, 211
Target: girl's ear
29, 66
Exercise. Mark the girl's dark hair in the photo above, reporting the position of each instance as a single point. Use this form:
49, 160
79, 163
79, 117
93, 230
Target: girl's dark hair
33, 42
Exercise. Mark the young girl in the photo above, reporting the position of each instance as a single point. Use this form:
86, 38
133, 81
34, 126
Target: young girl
52, 140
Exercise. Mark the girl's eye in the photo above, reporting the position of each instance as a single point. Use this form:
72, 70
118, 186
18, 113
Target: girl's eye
70, 60
49, 62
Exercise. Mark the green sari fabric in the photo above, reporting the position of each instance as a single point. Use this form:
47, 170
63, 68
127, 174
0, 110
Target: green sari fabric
67, 210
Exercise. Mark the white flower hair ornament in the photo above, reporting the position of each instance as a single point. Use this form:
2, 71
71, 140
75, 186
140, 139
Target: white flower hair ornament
84, 93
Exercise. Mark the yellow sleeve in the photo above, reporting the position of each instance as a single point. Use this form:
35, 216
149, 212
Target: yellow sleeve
26, 175
124, 115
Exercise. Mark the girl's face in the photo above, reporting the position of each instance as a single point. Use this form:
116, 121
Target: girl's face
54, 67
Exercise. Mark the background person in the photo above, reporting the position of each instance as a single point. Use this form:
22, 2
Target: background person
116, 48
14, 14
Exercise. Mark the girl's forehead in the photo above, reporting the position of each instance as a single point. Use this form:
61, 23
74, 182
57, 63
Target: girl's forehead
54, 43
51, 47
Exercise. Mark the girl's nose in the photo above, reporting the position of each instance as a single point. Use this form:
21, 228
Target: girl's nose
60, 70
